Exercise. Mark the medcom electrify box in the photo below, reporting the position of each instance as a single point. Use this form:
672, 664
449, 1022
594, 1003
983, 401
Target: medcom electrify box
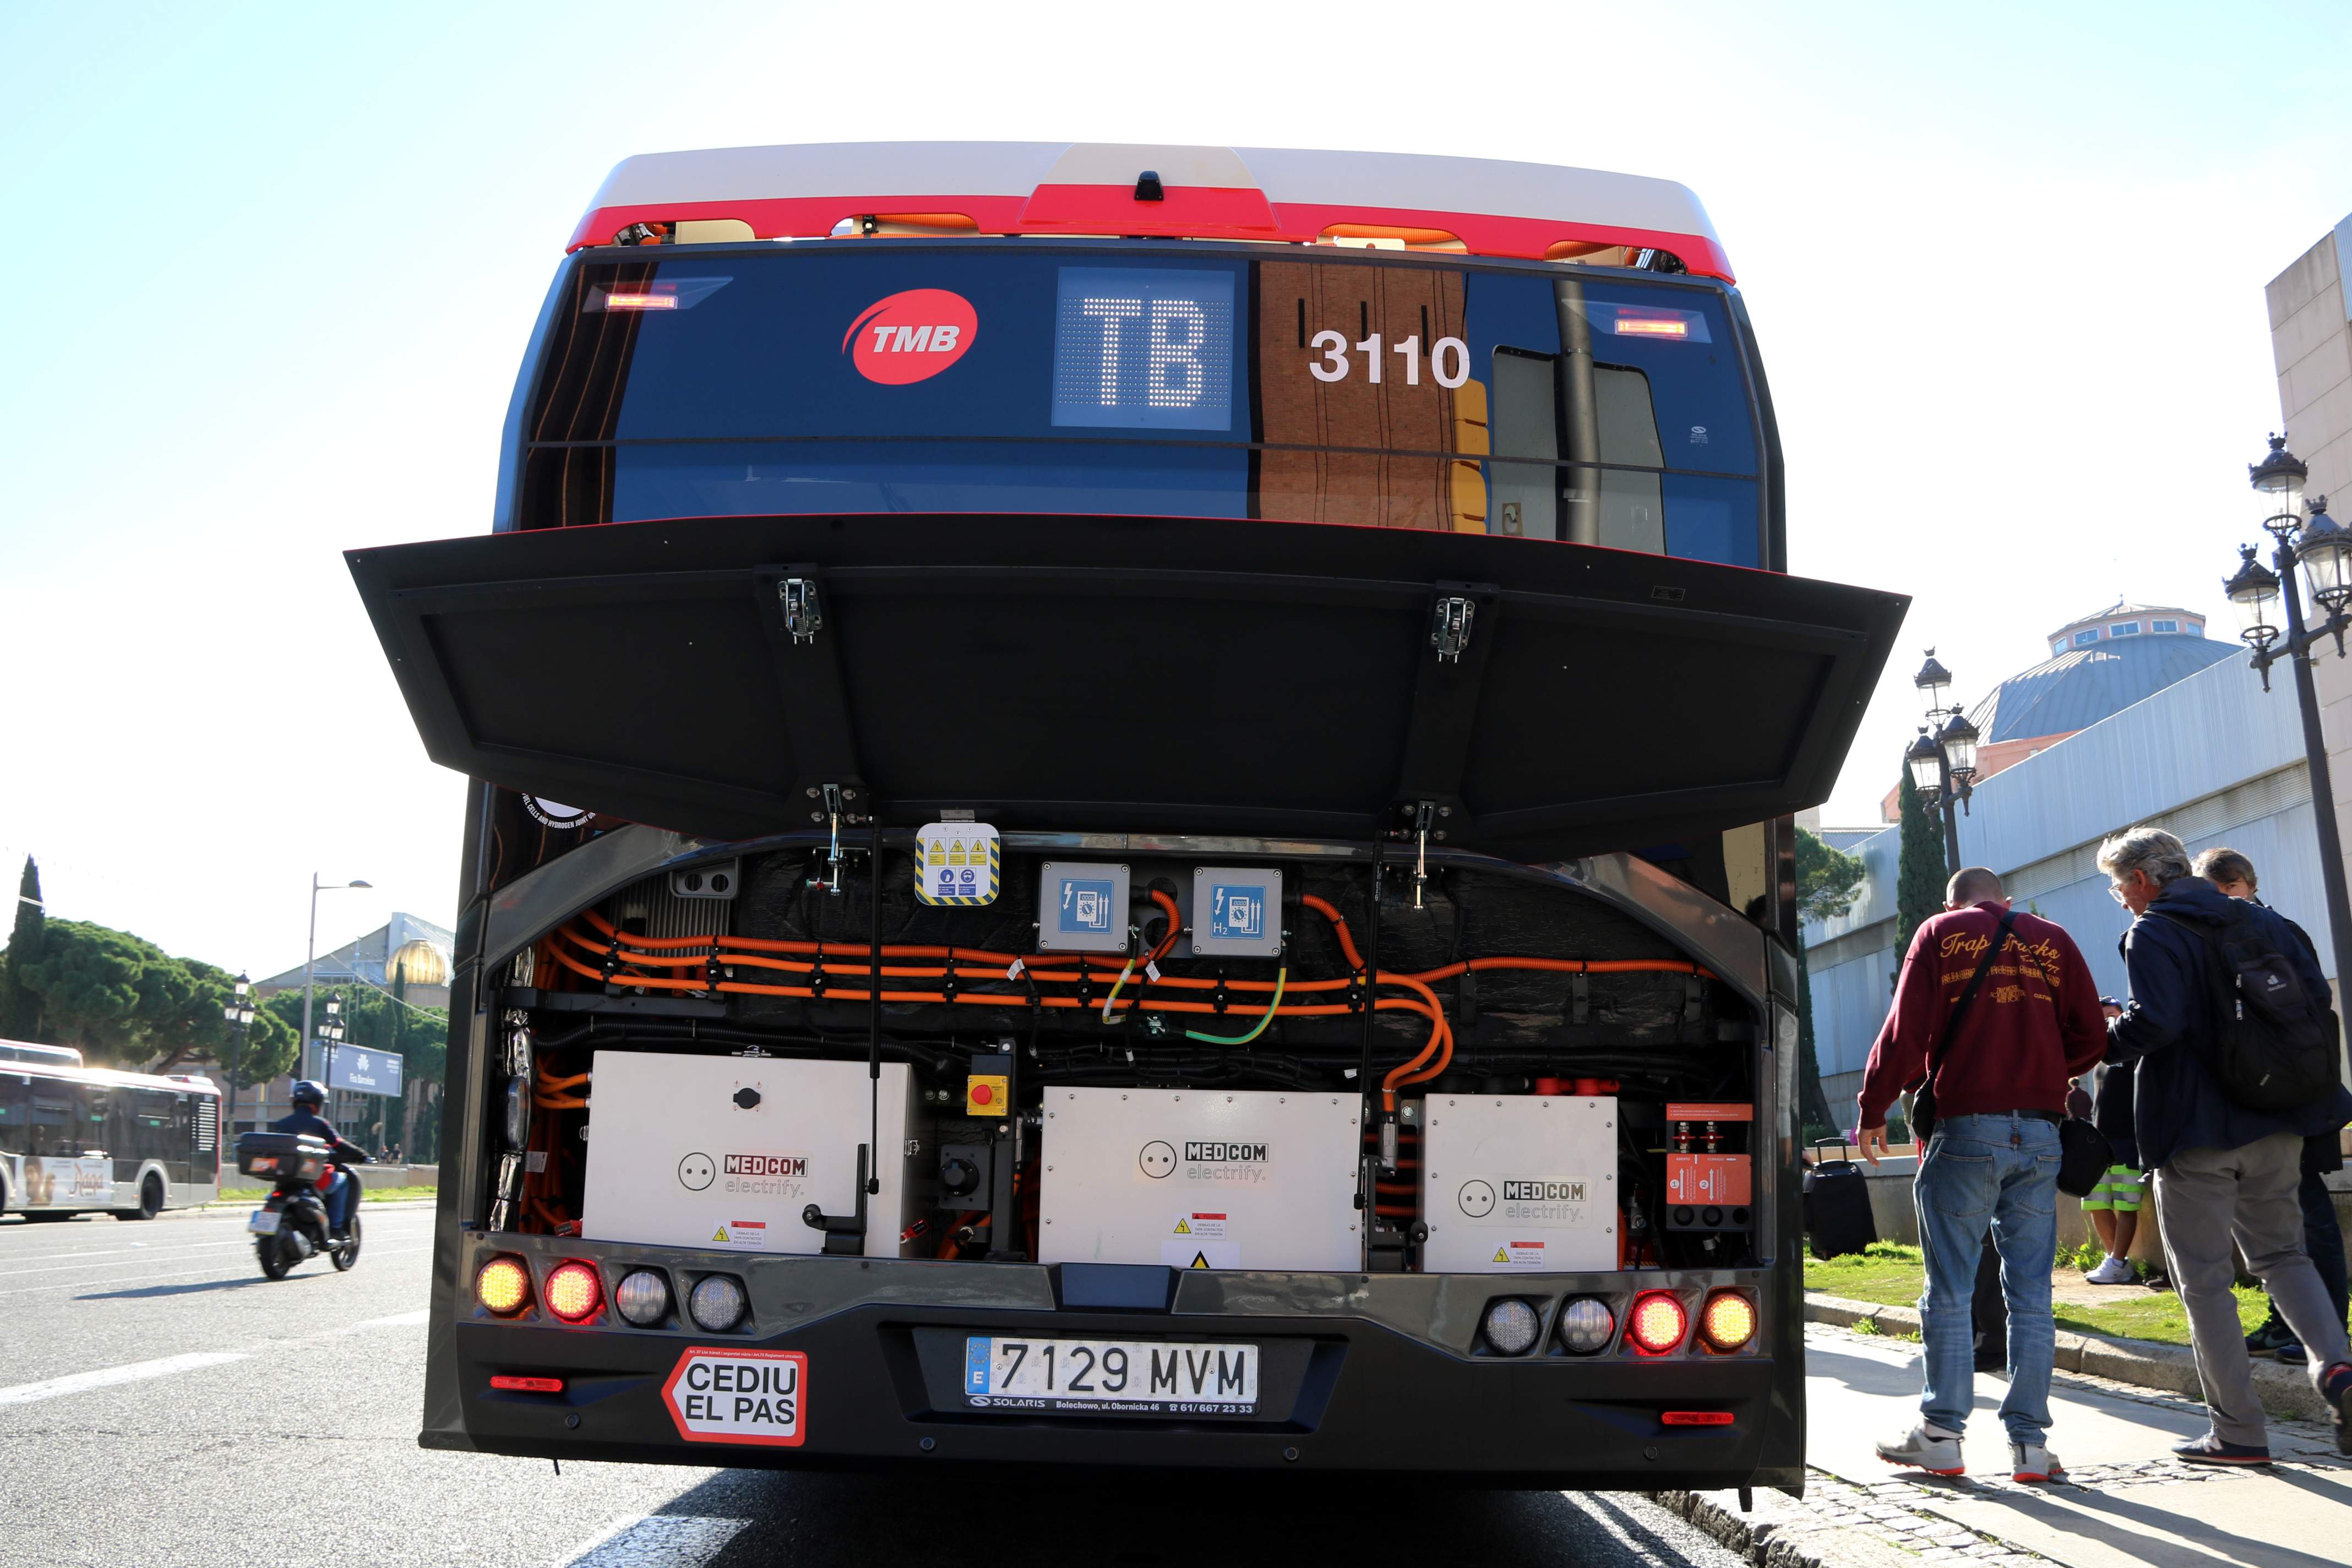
1518, 1183
1201, 1179
723, 1153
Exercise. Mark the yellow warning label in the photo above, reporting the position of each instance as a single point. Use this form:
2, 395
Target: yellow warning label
1183, 1229
719, 1234
1501, 1255
1200, 1260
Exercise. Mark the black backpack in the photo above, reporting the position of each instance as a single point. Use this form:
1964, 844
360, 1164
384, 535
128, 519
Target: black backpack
2273, 1043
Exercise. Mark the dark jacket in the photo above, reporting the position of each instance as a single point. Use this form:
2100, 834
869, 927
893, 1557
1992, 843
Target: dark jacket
2167, 1029
345, 1152
2034, 1023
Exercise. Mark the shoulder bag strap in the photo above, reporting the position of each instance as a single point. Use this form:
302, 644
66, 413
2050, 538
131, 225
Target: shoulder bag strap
1960, 1008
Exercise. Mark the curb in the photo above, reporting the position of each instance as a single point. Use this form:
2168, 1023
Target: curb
2168, 1369
1779, 1532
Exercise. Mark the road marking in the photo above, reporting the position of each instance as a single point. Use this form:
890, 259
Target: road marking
397, 1320
136, 1372
1607, 1517
189, 1274
655, 1540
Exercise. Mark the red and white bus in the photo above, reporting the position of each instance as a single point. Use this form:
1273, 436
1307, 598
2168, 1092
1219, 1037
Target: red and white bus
1132, 809
83, 1139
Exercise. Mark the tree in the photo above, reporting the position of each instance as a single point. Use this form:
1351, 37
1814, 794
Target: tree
124, 1001
1828, 881
20, 1007
1920, 873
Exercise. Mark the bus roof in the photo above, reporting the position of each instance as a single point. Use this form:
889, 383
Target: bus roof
1491, 206
23, 1057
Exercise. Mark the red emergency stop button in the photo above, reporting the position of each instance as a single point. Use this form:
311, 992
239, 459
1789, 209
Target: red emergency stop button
984, 1094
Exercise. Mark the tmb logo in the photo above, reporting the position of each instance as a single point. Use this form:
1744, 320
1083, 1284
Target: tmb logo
912, 336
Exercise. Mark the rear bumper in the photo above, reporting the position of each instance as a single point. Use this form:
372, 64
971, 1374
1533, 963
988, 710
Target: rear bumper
1363, 1376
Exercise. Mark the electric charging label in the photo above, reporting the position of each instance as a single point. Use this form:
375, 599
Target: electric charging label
726, 1396
1236, 914
958, 863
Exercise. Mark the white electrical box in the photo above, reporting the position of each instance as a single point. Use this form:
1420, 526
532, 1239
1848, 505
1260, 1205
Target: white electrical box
1201, 1179
724, 1152
1520, 1184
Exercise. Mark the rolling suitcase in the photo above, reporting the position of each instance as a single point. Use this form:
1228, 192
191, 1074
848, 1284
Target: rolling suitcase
1837, 1207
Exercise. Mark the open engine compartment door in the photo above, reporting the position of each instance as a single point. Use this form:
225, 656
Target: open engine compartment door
1536, 699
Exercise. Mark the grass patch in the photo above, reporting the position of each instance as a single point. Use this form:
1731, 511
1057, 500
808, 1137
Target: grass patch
2155, 1315
1885, 1272
1891, 1274
376, 1195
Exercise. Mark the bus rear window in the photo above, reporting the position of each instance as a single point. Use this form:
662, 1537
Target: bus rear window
1469, 398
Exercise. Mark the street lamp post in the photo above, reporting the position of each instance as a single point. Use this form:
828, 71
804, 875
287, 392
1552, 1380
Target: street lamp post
331, 1030
2323, 548
310, 954
1943, 760
237, 1012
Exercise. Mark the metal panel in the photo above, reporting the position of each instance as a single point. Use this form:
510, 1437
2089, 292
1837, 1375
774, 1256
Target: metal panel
1201, 1180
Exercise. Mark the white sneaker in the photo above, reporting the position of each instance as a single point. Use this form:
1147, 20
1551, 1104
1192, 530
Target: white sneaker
2032, 1462
1936, 1456
2111, 1271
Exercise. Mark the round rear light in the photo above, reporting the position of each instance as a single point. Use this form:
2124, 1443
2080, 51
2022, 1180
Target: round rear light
642, 1297
503, 1286
1585, 1325
1512, 1326
574, 1291
1728, 1321
716, 1304
1657, 1322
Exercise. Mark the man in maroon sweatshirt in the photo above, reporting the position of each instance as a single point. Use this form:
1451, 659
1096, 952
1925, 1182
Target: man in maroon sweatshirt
2032, 1022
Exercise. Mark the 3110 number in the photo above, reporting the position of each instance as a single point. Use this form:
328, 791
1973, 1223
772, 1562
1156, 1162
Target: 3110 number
1336, 364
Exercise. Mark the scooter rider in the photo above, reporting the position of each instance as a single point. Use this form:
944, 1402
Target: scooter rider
308, 1100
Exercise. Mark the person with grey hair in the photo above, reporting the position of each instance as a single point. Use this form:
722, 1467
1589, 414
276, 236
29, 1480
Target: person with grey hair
2224, 1166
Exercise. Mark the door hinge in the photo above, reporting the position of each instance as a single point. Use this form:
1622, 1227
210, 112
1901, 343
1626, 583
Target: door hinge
804, 617
1449, 631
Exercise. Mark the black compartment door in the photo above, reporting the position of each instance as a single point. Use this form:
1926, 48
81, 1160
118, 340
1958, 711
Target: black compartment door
714, 676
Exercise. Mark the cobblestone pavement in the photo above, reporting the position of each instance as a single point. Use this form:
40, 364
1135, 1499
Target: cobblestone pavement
1843, 1515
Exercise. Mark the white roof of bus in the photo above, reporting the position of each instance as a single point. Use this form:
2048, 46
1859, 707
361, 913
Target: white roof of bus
1286, 174
110, 1077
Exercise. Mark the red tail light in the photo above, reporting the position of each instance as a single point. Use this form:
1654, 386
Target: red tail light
575, 1292
1697, 1417
1657, 1322
528, 1384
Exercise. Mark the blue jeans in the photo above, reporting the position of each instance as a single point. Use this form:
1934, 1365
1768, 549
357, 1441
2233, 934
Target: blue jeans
2001, 1171
340, 1200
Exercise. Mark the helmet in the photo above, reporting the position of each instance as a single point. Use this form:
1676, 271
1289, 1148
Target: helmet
307, 1092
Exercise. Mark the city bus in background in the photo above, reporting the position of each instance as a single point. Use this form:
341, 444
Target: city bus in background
1131, 807
83, 1139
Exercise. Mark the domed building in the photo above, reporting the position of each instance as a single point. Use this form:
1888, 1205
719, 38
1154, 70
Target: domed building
2098, 666
404, 940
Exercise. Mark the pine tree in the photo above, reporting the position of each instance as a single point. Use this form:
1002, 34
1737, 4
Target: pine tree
1921, 873
20, 1008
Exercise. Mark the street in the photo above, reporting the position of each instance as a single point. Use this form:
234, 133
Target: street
162, 1403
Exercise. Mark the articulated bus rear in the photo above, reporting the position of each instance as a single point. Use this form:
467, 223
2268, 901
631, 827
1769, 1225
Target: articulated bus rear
1132, 809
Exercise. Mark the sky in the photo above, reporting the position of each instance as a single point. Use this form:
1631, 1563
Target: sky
271, 270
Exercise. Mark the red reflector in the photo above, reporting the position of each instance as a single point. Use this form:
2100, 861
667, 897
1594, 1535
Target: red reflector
641, 301
1697, 1417
528, 1384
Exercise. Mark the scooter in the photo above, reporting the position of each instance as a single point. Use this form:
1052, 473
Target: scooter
290, 1227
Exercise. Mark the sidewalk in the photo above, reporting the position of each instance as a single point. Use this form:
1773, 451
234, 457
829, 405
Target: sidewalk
2129, 1504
